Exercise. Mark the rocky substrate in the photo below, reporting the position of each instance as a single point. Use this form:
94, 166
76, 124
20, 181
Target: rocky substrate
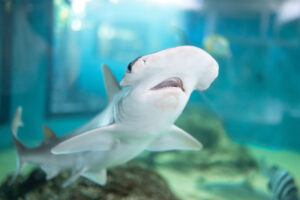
130, 182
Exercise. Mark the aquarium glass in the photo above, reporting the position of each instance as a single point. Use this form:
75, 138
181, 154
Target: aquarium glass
56, 115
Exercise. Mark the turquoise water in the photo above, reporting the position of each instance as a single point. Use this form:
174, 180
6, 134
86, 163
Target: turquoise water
51, 53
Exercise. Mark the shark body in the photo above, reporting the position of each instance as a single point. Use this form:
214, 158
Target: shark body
139, 117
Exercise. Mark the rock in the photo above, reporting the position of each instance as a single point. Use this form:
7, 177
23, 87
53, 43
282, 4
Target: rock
129, 182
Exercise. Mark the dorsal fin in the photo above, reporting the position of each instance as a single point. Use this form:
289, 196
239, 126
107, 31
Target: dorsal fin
111, 84
48, 133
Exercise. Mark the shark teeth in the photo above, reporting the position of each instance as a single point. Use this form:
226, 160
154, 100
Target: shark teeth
170, 82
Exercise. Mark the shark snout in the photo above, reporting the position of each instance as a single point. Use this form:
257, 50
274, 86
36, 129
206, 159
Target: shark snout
173, 82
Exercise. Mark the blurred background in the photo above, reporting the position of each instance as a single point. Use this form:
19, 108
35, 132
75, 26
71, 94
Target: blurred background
51, 52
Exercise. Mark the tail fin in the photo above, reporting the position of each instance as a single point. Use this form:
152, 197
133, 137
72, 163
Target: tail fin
20, 147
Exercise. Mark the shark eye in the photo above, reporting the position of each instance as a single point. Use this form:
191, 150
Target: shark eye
129, 67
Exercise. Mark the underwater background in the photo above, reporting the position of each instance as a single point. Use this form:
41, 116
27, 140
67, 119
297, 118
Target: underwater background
51, 56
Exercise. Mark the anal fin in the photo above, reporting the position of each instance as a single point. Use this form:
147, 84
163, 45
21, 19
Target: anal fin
75, 175
50, 172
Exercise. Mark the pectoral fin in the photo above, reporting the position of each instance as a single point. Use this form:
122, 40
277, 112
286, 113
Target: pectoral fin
98, 177
175, 139
99, 139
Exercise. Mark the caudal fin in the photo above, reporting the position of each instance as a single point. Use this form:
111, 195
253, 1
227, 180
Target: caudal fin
20, 147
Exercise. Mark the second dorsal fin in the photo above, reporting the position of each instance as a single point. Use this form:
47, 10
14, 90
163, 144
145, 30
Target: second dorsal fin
48, 133
111, 84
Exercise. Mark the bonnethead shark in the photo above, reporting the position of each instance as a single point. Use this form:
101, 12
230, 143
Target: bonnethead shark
140, 116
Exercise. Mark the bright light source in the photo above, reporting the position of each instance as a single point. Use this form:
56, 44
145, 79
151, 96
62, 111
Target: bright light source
182, 4
64, 13
106, 31
78, 6
114, 1
76, 25
109, 32
288, 11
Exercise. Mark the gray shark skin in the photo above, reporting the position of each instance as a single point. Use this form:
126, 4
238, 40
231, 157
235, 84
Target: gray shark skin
139, 117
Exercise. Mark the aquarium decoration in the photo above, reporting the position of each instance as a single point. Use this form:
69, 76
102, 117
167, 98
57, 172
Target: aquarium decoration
131, 181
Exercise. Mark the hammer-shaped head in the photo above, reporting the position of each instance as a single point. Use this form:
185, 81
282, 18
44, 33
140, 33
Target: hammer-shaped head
195, 67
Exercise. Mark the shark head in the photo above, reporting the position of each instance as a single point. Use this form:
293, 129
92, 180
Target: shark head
156, 99
194, 67
161, 83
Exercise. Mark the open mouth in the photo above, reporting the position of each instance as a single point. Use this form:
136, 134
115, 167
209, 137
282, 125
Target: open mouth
170, 82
